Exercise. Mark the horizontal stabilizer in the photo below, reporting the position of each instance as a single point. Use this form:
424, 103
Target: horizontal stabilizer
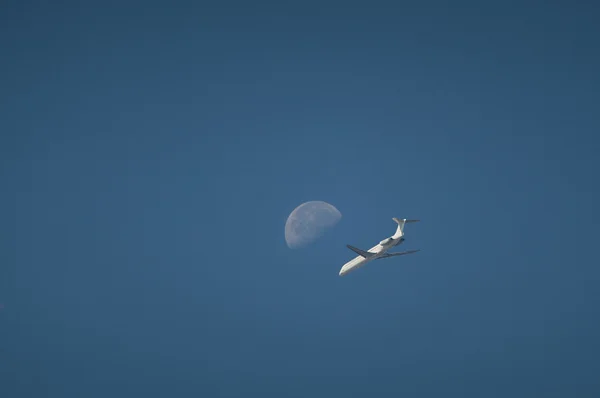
398, 254
403, 220
363, 253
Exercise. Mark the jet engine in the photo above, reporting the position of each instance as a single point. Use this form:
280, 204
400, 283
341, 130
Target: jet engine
385, 241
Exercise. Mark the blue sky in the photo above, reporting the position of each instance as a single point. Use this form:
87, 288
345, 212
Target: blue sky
152, 152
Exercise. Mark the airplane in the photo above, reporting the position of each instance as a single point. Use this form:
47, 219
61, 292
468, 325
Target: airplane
378, 251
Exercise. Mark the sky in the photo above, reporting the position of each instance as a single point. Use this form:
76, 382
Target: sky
151, 152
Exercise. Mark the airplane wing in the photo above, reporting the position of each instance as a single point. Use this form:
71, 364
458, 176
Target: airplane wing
360, 252
398, 254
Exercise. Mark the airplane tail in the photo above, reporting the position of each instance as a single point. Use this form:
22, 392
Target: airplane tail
400, 230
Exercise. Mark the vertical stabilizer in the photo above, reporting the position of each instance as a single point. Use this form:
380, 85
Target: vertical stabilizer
400, 230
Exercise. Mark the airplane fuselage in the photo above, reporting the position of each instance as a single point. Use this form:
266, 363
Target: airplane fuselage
378, 251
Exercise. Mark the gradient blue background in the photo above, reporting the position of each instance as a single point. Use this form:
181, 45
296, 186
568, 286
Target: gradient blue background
151, 153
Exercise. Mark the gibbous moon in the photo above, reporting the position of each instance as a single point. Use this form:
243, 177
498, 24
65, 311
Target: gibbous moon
308, 222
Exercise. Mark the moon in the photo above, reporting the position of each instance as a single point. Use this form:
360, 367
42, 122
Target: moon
310, 221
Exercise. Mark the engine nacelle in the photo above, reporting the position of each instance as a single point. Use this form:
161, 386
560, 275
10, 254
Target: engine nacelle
385, 241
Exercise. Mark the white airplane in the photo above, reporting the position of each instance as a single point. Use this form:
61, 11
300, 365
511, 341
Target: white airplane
378, 251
